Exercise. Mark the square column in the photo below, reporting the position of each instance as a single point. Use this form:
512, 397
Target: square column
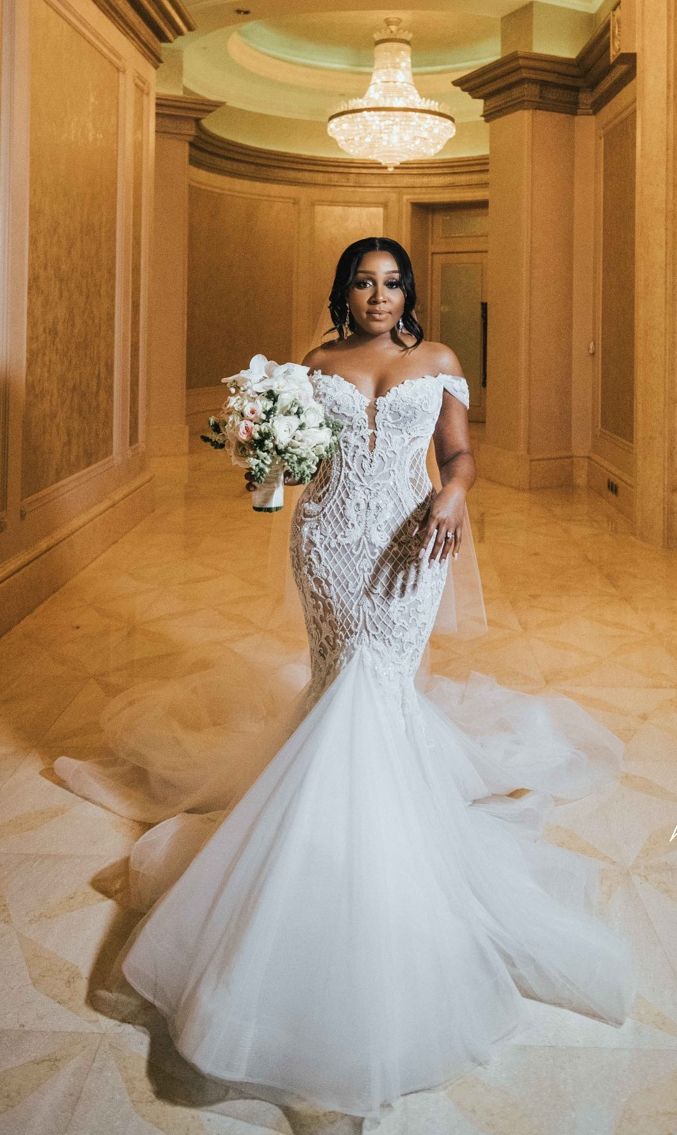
532, 101
176, 123
530, 279
656, 274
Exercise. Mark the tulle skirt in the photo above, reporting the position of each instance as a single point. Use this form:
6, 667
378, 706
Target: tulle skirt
361, 912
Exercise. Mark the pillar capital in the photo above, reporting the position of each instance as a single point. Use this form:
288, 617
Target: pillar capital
531, 80
179, 115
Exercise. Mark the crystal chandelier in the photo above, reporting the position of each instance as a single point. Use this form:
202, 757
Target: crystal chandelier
391, 123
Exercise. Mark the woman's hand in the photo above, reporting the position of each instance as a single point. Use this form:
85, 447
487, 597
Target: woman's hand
251, 483
444, 520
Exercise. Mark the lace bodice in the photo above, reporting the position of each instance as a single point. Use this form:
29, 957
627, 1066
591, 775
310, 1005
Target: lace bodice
353, 545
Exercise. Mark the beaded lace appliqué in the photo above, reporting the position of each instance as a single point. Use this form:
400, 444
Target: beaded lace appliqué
353, 546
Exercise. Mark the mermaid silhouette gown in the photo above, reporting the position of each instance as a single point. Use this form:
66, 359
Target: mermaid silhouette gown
369, 917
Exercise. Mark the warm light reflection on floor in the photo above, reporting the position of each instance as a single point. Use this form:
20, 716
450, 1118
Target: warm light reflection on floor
575, 604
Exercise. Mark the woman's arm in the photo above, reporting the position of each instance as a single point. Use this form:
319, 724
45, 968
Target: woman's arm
456, 463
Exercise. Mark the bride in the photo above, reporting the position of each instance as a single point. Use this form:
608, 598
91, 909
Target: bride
369, 917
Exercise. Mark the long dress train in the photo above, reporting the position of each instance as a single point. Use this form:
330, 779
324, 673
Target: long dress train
368, 917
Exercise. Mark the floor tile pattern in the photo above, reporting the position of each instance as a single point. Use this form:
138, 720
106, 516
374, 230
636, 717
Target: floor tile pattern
576, 605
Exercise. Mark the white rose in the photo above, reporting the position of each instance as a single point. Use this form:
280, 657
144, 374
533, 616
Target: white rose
285, 399
313, 415
284, 427
316, 436
305, 395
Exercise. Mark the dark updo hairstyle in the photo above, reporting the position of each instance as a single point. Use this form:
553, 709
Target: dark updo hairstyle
346, 269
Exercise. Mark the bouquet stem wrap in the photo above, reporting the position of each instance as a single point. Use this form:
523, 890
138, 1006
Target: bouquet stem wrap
268, 496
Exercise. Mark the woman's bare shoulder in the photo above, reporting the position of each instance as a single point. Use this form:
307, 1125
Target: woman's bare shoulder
318, 358
441, 359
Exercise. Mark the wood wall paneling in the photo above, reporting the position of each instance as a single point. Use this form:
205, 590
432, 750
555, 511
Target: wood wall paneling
70, 349
139, 135
74, 231
241, 271
618, 272
334, 227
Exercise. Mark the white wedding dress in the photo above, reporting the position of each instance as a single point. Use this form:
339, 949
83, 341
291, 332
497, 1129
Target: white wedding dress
368, 918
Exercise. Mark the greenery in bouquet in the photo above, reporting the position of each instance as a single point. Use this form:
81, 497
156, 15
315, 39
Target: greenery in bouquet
271, 416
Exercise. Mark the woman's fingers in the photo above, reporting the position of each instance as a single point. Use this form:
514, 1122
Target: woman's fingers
426, 535
441, 539
453, 544
449, 544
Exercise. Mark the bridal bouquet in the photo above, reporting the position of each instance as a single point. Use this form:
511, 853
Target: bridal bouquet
271, 422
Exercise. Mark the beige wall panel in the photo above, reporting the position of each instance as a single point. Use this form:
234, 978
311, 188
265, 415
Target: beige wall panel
583, 293
617, 279
68, 415
550, 309
419, 250
334, 228
508, 269
139, 134
241, 269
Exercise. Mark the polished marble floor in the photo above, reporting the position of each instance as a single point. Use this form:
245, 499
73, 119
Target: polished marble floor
575, 605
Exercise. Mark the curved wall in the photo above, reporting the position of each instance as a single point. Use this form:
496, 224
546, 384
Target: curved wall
264, 236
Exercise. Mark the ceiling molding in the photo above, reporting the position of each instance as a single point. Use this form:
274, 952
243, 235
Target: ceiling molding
527, 80
604, 78
221, 155
149, 23
179, 115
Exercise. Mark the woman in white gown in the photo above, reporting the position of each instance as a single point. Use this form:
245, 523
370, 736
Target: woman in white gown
367, 919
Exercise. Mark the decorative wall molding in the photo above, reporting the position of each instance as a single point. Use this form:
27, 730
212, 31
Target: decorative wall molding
50, 532
221, 155
65, 487
31, 576
149, 23
528, 80
179, 115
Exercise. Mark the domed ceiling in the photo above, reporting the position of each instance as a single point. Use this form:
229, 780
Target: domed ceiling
280, 68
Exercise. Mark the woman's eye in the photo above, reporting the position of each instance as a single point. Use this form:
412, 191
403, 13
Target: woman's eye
367, 283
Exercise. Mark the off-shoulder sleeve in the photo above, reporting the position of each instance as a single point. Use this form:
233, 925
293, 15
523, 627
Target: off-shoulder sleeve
457, 386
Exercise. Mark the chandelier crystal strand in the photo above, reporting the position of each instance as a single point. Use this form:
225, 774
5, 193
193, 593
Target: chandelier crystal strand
392, 123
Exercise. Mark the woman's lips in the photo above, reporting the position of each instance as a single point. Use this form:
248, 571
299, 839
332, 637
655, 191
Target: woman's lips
377, 314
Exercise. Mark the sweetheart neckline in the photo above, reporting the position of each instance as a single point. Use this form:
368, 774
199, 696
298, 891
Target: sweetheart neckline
381, 397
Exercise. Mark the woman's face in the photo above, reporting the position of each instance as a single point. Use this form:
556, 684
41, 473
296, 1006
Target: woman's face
375, 297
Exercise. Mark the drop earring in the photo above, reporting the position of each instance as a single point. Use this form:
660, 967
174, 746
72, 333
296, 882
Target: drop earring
346, 323
400, 325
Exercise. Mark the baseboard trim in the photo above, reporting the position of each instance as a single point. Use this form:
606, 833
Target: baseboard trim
520, 471
202, 401
30, 577
598, 473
